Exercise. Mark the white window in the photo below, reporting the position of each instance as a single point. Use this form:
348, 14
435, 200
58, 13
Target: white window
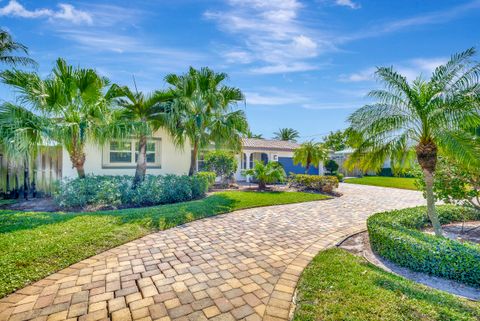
124, 153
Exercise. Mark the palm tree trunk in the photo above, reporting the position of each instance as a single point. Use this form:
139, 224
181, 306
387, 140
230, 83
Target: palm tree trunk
26, 177
307, 168
427, 158
262, 185
141, 161
193, 160
78, 161
432, 213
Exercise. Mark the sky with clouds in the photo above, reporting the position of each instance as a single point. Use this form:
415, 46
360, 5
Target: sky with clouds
301, 64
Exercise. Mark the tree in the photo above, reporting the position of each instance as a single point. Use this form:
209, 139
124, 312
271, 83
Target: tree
309, 153
271, 172
252, 135
331, 166
202, 111
8, 47
223, 163
287, 134
335, 140
421, 119
142, 115
72, 103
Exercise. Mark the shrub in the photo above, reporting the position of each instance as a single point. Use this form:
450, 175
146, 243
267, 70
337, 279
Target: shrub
269, 173
209, 176
223, 163
331, 166
325, 184
396, 236
339, 176
117, 191
454, 183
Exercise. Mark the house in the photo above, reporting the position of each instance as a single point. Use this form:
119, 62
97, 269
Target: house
341, 156
267, 150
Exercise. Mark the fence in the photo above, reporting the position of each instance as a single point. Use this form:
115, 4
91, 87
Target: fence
42, 174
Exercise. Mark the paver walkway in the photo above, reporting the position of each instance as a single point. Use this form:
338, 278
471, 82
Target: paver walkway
239, 266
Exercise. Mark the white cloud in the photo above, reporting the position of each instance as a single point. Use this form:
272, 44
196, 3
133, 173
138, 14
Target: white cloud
65, 12
411, 69
273, 96
327, 106
348, 3
270, 35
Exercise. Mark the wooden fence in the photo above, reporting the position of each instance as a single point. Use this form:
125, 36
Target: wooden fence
42, 175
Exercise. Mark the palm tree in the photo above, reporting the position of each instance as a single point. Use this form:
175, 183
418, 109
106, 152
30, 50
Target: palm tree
7, 49
72, 103
309, 153
252, 135
420, 120
271, 172
287, 134
143, 114
202, 111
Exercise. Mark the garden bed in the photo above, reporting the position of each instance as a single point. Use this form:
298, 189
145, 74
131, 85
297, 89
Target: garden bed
359, 244
398, 237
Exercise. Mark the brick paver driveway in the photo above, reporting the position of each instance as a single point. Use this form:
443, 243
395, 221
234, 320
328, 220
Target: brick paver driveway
242, 265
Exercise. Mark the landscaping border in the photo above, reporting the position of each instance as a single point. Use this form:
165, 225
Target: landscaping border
397, 236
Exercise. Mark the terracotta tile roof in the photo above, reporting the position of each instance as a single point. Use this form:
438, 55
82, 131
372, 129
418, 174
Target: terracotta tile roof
268, 144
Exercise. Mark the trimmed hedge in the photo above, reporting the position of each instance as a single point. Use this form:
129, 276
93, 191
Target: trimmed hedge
397, 236
111, 192
325, 184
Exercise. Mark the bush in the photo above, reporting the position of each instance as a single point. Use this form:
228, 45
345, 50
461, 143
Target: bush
339, 176
396, 236
209, 176
117, 191
223, 163
331, 166
325, 184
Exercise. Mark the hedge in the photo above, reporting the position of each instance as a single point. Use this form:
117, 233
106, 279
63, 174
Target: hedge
109, 192
325, 184
397, 236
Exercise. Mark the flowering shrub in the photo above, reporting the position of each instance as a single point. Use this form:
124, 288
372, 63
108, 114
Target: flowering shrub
325, 184
116, 191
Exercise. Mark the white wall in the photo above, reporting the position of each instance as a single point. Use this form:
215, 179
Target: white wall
174, 160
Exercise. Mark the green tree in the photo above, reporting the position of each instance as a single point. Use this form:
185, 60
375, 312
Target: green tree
331, 166
335, 140
72, 104
309, 153
421, 119
287, 134
8, 48
271, 172
141, 116
222, 162
202, 111
252, 135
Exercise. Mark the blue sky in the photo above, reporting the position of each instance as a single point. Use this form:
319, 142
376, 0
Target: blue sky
301, 64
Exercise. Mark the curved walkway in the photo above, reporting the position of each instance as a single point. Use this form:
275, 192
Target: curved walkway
239, 266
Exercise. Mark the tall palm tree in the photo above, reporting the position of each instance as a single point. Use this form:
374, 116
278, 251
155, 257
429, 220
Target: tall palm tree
8, 47
420, 120
287, 134
202, 111
310, 153
143, 114
72, 102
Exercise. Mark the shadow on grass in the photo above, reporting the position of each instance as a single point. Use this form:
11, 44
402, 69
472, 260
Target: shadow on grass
156, 217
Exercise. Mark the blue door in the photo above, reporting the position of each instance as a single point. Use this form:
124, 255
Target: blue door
287, 163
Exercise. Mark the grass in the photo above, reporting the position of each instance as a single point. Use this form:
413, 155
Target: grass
35, 244
384, 181
340, 286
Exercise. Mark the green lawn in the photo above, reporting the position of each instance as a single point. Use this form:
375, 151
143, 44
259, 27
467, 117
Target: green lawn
34, 245
397, 182
340, 286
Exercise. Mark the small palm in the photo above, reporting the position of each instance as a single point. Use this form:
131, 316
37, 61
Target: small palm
286, 134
